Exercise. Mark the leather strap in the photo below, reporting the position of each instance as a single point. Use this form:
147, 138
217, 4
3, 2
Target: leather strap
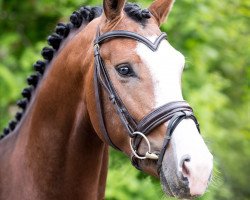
104, 79
127, 34
100, 111
173, 123
160, 114
158, 117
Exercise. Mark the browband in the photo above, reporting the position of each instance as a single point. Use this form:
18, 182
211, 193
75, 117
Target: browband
128, 34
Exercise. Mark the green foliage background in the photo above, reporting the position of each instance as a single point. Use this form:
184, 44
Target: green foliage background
214, 37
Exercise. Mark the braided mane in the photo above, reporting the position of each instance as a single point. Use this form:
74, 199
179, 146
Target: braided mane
82, 16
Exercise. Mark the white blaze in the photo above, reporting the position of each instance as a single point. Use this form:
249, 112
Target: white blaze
165, 66
188, 141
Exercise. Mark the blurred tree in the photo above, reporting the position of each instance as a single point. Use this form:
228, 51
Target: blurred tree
214, 37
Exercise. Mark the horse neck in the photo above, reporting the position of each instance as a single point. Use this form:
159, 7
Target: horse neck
55, 152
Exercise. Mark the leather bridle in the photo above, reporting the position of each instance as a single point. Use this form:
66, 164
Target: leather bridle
173, 112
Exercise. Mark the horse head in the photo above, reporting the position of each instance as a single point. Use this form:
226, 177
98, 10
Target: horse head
140, 108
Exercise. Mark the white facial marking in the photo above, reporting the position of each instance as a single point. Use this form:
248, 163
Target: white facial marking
187, 141
165, 66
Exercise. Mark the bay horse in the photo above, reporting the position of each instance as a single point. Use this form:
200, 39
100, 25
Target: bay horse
110, 77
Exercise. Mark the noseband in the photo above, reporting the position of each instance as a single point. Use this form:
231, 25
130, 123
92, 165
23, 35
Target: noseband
173, 112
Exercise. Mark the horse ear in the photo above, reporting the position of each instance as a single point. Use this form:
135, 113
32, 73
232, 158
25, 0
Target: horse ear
113, 8
160, 9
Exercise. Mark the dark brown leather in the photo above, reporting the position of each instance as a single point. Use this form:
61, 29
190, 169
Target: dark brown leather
100, 111
127, 34
160, 116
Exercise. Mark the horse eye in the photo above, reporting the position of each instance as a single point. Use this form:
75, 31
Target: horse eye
125, 70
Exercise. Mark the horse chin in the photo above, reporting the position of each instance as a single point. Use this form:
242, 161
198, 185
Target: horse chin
173, 188
172, 181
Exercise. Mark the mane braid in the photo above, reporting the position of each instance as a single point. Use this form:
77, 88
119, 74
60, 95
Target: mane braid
84, 14
136, 13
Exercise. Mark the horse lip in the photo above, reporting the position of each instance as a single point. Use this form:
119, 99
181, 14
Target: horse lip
179, 193
165, 185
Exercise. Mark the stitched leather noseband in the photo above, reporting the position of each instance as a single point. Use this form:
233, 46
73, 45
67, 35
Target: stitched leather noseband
173, 112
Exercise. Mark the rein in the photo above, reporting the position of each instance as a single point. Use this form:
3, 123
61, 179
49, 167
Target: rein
173, 112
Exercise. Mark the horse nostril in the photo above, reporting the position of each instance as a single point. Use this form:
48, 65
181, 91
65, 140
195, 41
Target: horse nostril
184, 167
185, 170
